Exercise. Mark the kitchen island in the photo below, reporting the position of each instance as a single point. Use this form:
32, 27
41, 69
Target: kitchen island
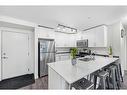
62, 74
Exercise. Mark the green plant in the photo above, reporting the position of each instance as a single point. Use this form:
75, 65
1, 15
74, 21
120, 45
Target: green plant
74, 52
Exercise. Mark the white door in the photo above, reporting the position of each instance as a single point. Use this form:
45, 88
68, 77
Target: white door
14, 54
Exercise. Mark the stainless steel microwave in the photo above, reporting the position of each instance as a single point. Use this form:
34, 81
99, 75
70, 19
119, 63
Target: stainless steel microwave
82, 43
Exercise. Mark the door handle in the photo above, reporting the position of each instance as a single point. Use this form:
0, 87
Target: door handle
4, 57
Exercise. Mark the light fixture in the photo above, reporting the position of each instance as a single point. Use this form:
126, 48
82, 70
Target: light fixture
66, 29
58, 28
73, 30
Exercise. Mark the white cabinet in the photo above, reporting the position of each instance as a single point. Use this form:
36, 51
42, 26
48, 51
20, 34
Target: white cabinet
97, 37
60, 39
79, 36
64, 40
90, 35
71, 40
45, 33
55, 81
101, 36
62, 57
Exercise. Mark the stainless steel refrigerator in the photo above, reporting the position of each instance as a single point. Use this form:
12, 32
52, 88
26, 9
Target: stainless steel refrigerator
46, 54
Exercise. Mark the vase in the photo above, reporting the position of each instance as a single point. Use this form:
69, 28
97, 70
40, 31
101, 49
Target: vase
73, 61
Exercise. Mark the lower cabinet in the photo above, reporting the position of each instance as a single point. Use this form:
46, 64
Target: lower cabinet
62, 57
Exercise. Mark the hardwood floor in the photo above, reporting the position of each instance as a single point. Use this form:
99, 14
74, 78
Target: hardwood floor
42, 83
124, 84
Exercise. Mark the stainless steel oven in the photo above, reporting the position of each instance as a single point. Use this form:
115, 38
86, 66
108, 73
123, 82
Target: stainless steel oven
82, 43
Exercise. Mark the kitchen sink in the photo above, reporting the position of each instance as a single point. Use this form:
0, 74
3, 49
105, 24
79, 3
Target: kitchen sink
86, 59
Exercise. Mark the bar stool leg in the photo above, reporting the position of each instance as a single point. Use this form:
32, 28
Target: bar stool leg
118, 76
113, 79
95, 81
103, 85
88, 77
120, 72
107, 80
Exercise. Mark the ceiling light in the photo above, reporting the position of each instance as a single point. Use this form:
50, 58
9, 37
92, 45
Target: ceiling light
66, 29
58, 28
73, 30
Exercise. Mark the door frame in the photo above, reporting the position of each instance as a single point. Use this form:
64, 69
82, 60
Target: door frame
17, 31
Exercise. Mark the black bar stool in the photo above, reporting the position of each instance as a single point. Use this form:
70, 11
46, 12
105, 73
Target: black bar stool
104, 79
118, 65
82, 84
113, 75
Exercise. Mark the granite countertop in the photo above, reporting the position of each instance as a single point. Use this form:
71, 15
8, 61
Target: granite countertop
73, 73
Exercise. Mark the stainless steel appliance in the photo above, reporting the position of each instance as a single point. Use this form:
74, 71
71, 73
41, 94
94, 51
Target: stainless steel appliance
82, 43
46, 54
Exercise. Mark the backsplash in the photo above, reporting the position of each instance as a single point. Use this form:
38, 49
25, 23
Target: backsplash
99, 50
62, 49
96, 50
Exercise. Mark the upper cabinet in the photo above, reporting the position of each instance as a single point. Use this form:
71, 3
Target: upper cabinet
97, 37
101, 36
65, 40
61, 39
45, 33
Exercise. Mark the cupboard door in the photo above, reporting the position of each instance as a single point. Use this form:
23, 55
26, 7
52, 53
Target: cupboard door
91, 38
71, 40
45, 33
97, 37
65, 40
101, 36
59, 41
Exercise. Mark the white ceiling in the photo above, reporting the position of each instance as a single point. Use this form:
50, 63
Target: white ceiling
80, 17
